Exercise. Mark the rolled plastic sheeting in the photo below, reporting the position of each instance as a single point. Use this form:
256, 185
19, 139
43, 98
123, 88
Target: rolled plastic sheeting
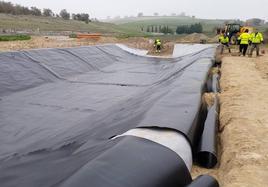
215, 83
204, 181
133, 162
207, 151
168, 138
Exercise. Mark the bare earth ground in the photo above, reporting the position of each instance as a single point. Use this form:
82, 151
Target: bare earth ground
50, 42
135, 42
243, 117
64, 41
243, 123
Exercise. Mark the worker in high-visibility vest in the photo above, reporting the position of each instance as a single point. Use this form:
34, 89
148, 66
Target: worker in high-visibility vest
256, 40
158, 45
224, 40
244, 42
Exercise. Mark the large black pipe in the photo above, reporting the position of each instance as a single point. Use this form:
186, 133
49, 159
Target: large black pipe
204, 181
215, 83
137, 162
133, 162
207, 150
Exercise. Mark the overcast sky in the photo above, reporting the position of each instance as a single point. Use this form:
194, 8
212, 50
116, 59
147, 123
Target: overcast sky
226, 9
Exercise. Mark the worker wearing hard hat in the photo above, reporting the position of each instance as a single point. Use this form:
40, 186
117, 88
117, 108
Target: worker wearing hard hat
224, 40
256, 39
244, 42
158, 45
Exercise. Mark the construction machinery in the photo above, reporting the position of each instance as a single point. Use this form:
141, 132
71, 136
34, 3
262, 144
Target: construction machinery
233, 31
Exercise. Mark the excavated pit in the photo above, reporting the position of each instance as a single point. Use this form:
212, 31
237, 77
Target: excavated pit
59, 108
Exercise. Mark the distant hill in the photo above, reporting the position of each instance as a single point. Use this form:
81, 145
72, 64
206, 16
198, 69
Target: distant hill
172, 21
52, 24
136, 23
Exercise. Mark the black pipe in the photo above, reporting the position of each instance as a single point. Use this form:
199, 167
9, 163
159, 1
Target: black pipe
207, 149
133, 162
204, 181
215, 83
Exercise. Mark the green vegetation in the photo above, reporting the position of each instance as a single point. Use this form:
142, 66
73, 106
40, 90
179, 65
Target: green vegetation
36, 24
73, 35
10, 8
64, 14
14, 37
166, 30
171, 21
81, 17
189, 29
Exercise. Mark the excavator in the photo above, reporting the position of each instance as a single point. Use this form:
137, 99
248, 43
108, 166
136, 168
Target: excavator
233, 31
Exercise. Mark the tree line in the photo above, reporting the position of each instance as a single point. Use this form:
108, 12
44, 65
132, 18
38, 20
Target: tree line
189, 29
183, 29
158, 29
9, 8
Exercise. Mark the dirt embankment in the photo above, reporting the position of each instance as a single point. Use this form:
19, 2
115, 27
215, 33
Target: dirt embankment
52, 42
243, 123
135, 42
63, 41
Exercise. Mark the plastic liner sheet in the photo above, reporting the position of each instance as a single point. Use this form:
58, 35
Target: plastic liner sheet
60, 107
139, 52
207, 151
133, 162
181, 108
187, 49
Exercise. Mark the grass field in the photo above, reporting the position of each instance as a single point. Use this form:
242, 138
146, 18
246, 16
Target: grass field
49, 24
171, 21
136, 23
122, 28
14, 37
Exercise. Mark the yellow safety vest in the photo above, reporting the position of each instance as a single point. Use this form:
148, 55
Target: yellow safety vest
245, 38
224, 39
256, 38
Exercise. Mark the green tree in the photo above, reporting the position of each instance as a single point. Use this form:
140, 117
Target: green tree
48, 12
64, 14
189, 29
35, 11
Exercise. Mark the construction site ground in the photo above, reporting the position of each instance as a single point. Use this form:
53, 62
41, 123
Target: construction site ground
135, 42
243, 123
243, 140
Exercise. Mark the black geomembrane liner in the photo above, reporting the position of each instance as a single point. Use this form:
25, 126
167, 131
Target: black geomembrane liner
59, 107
